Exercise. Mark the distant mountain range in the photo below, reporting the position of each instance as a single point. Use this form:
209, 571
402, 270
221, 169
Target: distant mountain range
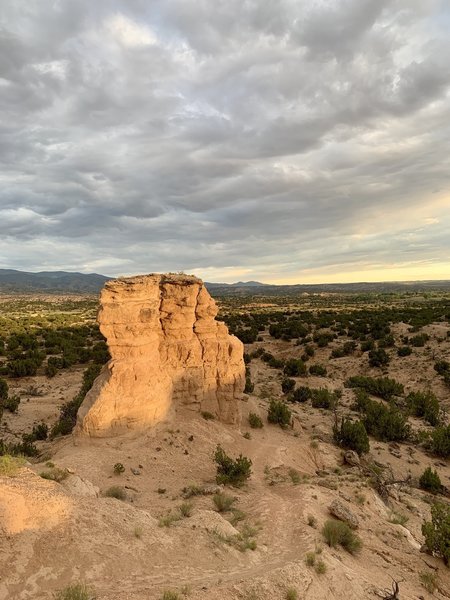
50, 281
85, 283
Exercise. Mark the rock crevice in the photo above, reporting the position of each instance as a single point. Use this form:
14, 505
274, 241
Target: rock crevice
166, 349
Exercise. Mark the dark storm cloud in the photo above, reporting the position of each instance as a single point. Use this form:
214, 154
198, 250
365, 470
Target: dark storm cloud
176, 134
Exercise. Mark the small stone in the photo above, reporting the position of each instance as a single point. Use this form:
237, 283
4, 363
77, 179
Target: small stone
135, 471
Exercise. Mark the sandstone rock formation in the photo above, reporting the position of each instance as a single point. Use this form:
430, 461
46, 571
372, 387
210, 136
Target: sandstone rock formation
167, 349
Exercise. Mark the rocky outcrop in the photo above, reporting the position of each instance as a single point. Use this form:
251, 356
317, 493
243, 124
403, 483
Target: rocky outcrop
167, 349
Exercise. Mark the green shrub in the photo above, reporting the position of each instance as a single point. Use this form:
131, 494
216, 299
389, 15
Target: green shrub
323, 398
255, 421
231, 471
437, 531
424, 405
385, 423
287, 385
11, 403
279, 413
40, 432
291, 594
430, 481
352, 435
418, 341
338, 533
76, 591
440, 441
301, 394
3, 390
404, 351
383, 387
68, 412
115, 491
318, 370
378, 358
294, 367
442, 367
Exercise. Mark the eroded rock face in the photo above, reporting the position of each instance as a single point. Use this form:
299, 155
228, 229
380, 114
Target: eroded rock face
167, 349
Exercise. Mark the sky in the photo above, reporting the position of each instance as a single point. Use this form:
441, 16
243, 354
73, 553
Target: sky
296, 141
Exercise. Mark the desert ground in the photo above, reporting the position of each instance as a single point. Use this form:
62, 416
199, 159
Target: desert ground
165, 537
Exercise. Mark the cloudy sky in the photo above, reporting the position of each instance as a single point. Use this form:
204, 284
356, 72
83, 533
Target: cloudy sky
288, 141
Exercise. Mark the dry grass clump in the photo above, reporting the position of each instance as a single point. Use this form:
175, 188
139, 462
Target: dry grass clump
116, 492
337, 533
10, 465
76, 591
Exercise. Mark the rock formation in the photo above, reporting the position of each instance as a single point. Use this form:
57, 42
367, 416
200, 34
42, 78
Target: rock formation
167, 349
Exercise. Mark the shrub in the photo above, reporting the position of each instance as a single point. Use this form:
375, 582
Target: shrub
319, 370
429, 581
294, 367
279, 413
249, 386
170, 595
208, 416
320, 567
437, 531
232, 471
223, 503
76, 591
385, 424
291, 594
378, 358
442, 367
68, 412
323, 398
118, 468
383, 387
404, 351
418, 341
185, 509
117, 492
425, 405
287, 385
339, 533
11, 403
301, 394
440, 441
25, 448
312, 521
255, 421
430, 481
9, 465
352, 435
3, 390
310, 558
40, 432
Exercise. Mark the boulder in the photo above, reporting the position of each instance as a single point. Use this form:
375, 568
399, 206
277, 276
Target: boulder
167, 350
351, 458
339, 510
